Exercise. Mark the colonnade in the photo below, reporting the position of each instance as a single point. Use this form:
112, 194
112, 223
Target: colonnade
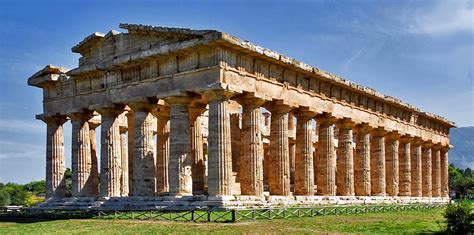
367, 161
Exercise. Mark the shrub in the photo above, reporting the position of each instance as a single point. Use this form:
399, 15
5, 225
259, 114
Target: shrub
459, 218
4, 198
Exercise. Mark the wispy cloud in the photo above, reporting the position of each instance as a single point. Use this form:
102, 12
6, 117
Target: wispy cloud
16, 149
444, 18
22, 126
346, 66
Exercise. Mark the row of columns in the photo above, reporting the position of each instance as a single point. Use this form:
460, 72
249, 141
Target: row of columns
382, 163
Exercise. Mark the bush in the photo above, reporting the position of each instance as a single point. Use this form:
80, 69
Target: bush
459, 218
4, 198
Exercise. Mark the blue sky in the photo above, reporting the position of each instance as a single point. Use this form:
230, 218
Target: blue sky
419, 51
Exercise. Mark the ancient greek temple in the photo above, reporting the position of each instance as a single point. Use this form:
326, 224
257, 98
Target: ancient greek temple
199, 118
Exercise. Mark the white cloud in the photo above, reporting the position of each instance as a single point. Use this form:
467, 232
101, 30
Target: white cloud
15, 149
445, 18
21, 126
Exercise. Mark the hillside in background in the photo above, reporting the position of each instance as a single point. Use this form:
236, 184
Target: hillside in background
462, 155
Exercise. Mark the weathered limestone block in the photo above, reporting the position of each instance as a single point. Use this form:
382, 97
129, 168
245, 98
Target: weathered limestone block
251, 180
377, 163
110, 157
81, 155
416, 164
436, 171
444, 172
144, 149
162, 148
198, 164
304, 169
279, 159
180, 159
345, 159
326, 158
391, 163
220, 147
426, 169
55, 182
362, 161
405, 166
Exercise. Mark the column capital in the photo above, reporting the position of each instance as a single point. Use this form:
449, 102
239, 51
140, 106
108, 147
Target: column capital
417, 141
112, 110
345, 123
363, 128
406, 139
305, 113
427, 144
84, 115
218, 94
56, 120
446, 148
379, 132
280, 106
437, 146
161, 111
326, 118
393, 135
251, 99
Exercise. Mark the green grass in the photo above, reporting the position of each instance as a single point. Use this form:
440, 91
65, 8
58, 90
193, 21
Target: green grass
423, 221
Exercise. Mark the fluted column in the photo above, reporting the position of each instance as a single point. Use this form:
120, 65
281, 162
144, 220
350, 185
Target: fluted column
130, 149
362, 161
180, 159
326, 158
444, 172
110, 153
94, 176
436, 171
81, 155
163, 149
279, 159
405, 166
377, 163
251, 181
391, 163
426, 169
345, 159
124, 187
220, 150
198, 165
416, 164
55, 182
144, 149
304, 169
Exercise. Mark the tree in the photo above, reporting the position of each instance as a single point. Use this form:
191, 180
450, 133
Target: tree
4, 198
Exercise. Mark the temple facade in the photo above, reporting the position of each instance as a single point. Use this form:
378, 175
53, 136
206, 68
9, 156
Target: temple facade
199, 118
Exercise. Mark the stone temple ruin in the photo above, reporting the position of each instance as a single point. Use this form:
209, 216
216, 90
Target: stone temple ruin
202, 119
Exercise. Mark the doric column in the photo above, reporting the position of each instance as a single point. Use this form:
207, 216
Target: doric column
304, 169
326, 160
292, 146
144, 149
124, 186
251, 181
405, 166
345, 159
377, 163
416, 164
362, 161
391, 163
162, 148
55, 182
444, 172
220, 150
180, 159
235, 138
81, 155
130, 149
198, 165
110, 152
94, 176
436, 171
426, 169
279, 159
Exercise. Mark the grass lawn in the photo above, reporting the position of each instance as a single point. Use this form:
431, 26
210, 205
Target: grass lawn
390, 222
